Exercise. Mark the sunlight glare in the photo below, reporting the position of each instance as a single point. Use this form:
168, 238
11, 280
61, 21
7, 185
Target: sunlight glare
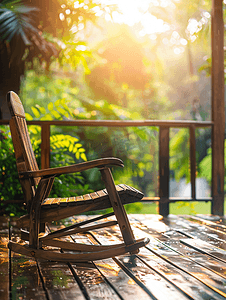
133, 12
152, 25
177, 51
98, 12
165, 41
81, 48
76, 4
193, 26
183, 42
61, 16
74, 28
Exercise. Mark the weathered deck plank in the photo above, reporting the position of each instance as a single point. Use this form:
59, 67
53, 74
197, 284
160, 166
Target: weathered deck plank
185, 259
169, 249
59, 282
153, 283
4, 258
119, 283
24, 279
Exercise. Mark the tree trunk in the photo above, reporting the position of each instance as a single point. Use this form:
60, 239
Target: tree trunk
10, 78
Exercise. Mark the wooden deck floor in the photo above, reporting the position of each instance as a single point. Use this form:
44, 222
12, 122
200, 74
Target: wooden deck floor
185, 259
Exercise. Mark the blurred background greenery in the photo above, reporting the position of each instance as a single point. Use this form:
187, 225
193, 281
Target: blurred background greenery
108, 60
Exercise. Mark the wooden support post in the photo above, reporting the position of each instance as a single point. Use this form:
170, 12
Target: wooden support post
218, 108
164, 171
192, 161
45, 146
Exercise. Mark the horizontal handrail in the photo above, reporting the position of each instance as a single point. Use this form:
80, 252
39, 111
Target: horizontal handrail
164, 125
175, 199
119, 123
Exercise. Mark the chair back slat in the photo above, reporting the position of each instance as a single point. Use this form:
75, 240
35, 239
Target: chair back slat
15, 105
29, 157
25, 157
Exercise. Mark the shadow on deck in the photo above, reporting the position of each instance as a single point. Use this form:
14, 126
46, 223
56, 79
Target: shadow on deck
185, 259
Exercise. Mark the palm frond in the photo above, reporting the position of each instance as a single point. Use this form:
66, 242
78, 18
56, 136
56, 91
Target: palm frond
17, 23
15, 19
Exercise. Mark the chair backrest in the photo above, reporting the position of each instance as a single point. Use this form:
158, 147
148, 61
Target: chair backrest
25, 157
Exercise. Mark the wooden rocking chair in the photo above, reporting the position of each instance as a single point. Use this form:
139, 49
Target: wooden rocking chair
37, 184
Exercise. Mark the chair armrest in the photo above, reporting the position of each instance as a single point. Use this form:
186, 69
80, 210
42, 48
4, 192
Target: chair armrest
98, 163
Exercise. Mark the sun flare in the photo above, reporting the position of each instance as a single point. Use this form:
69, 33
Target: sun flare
132, 12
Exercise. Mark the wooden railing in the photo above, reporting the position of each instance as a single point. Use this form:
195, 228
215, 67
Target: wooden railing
164, 127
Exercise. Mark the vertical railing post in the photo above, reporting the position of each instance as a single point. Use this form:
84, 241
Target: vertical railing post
218, 108
45, 146
164, 171
192, 160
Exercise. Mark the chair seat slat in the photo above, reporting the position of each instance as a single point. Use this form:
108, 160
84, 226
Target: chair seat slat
120, 189
94, 195
127, 193
131, 190
79, 198
63, 201
87, 197
102, 194
55, 202
47, 201
71, 201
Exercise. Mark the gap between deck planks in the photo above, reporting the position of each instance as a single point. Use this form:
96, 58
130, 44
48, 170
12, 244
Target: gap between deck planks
185, 259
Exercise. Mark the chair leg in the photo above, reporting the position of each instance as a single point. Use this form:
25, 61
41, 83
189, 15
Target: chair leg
34, 230
34, 223
42, 228
119, 209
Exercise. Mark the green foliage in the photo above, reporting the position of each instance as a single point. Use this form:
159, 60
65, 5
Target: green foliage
19, 30
207, 66
67, 144
206, 165
46, 97
71, 55
179, 154
15, 18
7, 164
138, 149
50, 29
187, 206
134, 208
65, 149
9, 181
